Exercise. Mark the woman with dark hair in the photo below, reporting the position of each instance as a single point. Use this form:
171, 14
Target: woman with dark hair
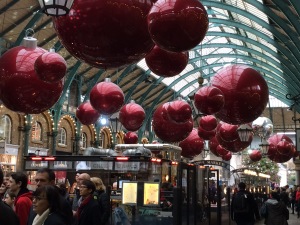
88, 210
47, 206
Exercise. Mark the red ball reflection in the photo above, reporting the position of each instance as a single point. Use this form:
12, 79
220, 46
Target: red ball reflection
246, 94
132, 116
177, 25
166, 64
21, 89
86, 114
106, 97
50, 67
209, 100
106, 33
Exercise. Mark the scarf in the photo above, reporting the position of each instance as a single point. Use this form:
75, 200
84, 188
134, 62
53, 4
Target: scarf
83, 203
40, 219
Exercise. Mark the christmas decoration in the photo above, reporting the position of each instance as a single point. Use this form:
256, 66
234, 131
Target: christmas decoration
86, 114
132, 116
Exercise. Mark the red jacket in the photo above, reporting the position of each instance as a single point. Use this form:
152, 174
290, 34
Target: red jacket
22, 207
297, 195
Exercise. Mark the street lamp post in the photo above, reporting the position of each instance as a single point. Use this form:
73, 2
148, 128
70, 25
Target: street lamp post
115, 127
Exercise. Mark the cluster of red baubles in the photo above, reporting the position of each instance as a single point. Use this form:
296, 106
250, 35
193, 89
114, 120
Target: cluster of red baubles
31, 78
112, 34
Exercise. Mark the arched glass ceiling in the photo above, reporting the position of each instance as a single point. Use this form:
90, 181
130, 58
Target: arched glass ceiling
243, 31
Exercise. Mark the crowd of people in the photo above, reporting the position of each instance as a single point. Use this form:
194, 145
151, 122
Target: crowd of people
274, 209
50, 204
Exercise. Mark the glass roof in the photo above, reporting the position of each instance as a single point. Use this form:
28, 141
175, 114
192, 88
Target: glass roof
223, 50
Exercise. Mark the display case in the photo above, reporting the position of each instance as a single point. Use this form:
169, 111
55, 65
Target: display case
151, 194
129, 192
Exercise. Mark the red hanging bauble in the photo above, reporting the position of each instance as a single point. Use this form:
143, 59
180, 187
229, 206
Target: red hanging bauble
246, 94
166, 64
192, 145
285, 148
255, 155
209, 100
227, 157
206, 135
131, 138
208, 123
213, 144
106, 97
21, 90
177, 25
106, 33
221, 150
86, 114
132, 116
179, 111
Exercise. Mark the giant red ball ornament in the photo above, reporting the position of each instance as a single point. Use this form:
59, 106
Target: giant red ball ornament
168, 130
166, 64
86, 114
177, 25
179, 111
106, 33
208, 122
21, 90
50, 67
206, 135
246, 93
106, 97
192, 145
221, 150
131, 138
255, 155
285, 148
213, 144
209, 100
132, 116
227, 157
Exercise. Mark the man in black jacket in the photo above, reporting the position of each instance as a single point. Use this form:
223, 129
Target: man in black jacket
46, 176
7, 215
244, 210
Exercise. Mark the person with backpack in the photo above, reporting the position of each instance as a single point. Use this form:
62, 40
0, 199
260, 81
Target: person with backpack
244, 209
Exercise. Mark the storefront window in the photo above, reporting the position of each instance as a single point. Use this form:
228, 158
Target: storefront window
5, 129
62, 139
36, 133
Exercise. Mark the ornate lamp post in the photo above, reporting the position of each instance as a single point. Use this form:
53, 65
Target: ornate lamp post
115, 127
264, 147
244, 132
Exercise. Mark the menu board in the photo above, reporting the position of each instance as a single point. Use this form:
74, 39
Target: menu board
151, 194
129, 192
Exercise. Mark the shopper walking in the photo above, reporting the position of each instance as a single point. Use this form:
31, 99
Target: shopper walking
276, 211
7, 214
297, 201
47, 208
244, 209
103, 200
10, 199
18, 185
88, 210
75, 203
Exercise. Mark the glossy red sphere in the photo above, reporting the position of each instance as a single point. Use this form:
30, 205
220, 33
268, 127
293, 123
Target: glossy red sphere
209, 100
208, 122
106, 33
246, 94
177, 25
227, 132
192, 145
213, 144
131, 138
106, 97
221, 150
167, 130
86, 114
206, 135
276, 138
227, 157
50, 67
132, 116
166, 64
285, 148
255, 155
21, 90
179, 111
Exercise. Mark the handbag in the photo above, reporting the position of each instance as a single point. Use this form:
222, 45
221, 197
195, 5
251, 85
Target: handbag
263, 210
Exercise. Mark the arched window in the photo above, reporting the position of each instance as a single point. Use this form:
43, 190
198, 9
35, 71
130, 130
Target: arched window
5, 129
84, 140
62, 138
36, 131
